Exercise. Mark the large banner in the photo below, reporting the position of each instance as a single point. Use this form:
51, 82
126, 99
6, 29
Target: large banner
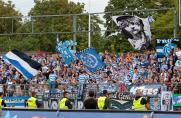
55, 114
167, 115
28, 114
16, 101
166, 104
103, 115
136, 30
148, 90
176, 100
84, 114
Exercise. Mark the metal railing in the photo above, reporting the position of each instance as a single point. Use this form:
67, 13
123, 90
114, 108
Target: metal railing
27, 89
78, 93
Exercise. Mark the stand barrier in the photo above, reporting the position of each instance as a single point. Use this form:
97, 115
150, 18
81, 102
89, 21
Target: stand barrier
45, 113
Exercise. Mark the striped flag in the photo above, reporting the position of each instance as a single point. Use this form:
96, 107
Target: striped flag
23, 63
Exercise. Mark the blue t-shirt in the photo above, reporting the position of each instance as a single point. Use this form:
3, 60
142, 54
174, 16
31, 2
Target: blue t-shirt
52, 77
82, 78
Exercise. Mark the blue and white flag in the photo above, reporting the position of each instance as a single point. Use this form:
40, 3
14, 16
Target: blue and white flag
164, 50
23, 63
167, 49
65, 50
90, 59
164, 46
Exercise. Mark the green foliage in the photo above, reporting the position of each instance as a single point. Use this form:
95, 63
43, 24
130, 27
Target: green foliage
6, 10
47, 24
162, 27
61, 24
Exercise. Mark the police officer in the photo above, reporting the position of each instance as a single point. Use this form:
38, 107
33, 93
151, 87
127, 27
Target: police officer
2, 103
103, 101
65, 103
140, 103
32, 102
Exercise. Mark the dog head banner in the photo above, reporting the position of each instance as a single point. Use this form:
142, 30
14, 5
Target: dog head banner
136, 30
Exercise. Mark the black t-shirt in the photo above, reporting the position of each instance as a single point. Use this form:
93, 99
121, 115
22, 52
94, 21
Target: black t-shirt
106, 103
143, 100
3, 103
90, 103
68, 104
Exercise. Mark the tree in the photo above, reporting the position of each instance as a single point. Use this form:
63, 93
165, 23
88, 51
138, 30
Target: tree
163, 18
7, 9
59, 23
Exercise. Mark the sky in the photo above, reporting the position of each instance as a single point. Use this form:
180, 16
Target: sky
91, 6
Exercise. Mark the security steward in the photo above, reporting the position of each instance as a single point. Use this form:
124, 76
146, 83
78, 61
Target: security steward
32, 102
140, 103
65, 103
2, 103
103, 101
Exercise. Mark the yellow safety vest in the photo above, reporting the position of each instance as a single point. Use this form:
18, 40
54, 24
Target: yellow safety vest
62, 104
32, 103
138, 106
101, 102
1, 103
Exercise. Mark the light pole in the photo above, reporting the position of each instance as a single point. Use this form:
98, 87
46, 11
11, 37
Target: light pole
89, 36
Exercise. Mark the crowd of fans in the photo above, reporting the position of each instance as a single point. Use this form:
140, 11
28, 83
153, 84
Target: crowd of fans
119, 69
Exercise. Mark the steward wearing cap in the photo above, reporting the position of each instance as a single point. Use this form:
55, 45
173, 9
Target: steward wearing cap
2, 103
32, 102
103, 101
65, 103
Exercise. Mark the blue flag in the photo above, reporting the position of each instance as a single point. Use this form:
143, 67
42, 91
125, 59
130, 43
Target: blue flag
65, 50
164, 46
90, 59
167, 49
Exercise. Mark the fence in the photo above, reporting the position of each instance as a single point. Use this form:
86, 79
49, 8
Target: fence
16, 96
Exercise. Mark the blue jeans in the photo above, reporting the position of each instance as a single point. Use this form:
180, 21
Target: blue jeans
52, 86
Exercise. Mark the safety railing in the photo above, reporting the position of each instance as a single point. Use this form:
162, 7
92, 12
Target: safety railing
27, 89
